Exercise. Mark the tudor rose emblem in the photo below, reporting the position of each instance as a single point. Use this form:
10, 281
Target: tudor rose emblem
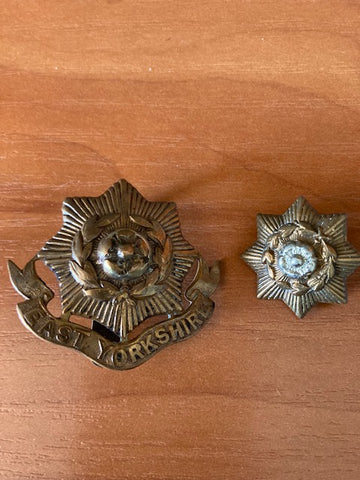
119, 260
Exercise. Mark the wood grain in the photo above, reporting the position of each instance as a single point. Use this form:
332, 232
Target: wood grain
228, 108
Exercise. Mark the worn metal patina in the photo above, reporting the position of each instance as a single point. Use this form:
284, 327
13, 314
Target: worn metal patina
302, 257
119, 260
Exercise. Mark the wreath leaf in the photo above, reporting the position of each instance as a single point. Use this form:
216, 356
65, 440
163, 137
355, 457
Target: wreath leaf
141, 221
158, 256
109, 286
153, 277
330, 270
77, 248
147, 291
87, 251
328, 250
167, 251
99, 293
317, 281
165, 259
268, 257
158, 233
271, 272
90, 230
89, 268
138, 288
80, 253
149, 287
273, 241
107, 219
298, 287
82, 276
286, 230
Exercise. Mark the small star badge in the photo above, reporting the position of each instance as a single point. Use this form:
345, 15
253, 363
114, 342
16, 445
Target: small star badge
302, 257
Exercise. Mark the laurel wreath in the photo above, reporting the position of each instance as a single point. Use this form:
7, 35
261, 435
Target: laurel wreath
295, 232
85, 274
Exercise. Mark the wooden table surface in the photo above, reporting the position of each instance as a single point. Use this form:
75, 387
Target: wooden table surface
228, 108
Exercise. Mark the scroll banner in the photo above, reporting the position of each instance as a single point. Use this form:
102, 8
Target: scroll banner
103, 352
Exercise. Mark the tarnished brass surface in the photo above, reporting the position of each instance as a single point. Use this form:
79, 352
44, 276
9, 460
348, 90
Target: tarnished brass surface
302, 257
119, 260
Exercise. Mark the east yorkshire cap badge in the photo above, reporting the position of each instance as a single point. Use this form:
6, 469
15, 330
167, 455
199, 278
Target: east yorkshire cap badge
302, 257
121, 261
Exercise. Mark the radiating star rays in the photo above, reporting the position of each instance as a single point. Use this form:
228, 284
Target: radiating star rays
326, 232
124, 315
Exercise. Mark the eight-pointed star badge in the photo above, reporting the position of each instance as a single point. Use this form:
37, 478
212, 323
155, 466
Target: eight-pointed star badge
120, 260
302, 257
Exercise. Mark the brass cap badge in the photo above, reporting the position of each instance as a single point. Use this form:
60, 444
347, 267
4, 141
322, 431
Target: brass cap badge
119, 260
302, 257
